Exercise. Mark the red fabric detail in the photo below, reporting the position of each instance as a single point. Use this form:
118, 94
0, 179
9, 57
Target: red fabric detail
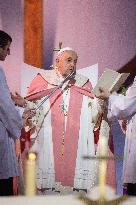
37, 85
96, 136
37, 95
111, 180
25, 138
57, 123
72, 137
84, 91
65, 164
111, 144
88, 86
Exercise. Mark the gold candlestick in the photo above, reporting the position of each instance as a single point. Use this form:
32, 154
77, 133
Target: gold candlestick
102, 177
30, 175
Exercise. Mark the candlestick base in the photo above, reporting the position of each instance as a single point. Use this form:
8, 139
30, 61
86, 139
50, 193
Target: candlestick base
94, 198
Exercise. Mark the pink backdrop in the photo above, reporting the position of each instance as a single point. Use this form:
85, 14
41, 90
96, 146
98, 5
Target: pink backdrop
102, 31
12, 22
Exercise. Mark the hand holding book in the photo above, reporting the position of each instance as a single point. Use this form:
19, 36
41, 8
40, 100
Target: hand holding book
110, 81
103, 93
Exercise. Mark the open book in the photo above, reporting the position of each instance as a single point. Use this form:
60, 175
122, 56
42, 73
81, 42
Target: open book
110, 80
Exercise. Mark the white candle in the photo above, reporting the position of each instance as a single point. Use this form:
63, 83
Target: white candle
30, 175
102, 167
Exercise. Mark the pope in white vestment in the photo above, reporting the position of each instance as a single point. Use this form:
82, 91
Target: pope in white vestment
64, 127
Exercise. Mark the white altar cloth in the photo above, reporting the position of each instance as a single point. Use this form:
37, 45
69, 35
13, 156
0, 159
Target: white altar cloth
51, 200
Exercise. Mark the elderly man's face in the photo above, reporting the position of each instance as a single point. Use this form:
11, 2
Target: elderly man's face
66, 62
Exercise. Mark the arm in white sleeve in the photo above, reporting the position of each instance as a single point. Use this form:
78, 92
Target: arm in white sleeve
121, 107
20, 110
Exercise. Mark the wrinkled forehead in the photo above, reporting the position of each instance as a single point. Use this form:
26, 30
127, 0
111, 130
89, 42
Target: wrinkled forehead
67, 54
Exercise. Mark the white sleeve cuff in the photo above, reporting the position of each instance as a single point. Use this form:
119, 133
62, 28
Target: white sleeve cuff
20, 110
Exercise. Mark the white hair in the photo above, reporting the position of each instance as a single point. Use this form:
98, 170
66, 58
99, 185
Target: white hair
64, 49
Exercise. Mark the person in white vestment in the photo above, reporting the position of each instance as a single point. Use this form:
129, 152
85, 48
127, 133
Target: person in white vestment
62, 131
124, 108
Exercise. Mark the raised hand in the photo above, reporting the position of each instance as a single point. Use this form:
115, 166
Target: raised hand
18, 99
104, 94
